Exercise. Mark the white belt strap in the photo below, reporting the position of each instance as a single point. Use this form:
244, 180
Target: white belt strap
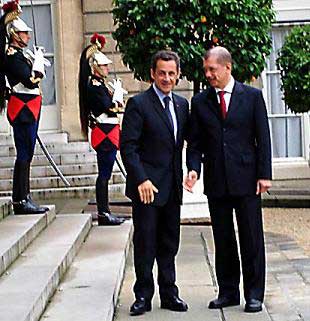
21, 89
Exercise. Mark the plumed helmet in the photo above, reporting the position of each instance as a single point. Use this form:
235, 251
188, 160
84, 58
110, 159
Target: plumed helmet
19, 25
94, 54
98, 58
98, 40
13, 23
11, 11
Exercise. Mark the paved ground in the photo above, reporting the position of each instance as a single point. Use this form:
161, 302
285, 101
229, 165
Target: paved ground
288, 282
288, 279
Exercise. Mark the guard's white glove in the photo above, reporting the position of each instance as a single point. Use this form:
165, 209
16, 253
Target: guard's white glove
39, 62
119, 91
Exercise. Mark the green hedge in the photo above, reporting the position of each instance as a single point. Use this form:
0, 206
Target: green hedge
189, 27
294, 63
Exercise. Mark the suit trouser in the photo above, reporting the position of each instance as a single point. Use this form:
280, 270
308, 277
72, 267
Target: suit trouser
156, 236
251, 240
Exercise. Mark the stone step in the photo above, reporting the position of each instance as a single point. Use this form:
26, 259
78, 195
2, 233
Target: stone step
48, 170
45, 137
53, 148
65, 159
31, 281
116, 191
43, 171
56, 182
90, 289
17, 232
5, 207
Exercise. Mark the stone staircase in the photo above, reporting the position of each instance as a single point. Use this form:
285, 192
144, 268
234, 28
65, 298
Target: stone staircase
59, 266
76, 160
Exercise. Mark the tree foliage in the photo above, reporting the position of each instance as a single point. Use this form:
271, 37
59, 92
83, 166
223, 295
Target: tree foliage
294, 63
189, 27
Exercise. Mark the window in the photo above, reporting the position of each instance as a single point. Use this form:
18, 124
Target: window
43, 33
286, 127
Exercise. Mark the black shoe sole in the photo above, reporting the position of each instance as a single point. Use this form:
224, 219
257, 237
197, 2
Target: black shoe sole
253, 310
232, 304
134, 313
168, 307
109, 224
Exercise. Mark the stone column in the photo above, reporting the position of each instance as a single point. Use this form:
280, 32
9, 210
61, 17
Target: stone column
69, 36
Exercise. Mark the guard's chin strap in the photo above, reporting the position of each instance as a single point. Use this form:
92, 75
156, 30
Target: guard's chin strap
97, 69
18, 39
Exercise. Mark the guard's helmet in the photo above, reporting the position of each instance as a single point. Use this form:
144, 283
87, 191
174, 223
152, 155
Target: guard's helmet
97, 59
94, 55
13, 23
19, 25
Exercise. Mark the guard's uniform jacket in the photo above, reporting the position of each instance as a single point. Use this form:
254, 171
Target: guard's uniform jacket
24, 104
105, 125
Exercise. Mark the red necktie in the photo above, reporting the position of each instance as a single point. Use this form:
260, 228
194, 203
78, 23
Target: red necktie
222, 104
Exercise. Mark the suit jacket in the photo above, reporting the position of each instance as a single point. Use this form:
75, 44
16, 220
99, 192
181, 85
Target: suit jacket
235, 152
148, 147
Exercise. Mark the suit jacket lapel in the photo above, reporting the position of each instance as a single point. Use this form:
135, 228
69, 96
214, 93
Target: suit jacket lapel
213, 102
177, 110
159, 109
235, 104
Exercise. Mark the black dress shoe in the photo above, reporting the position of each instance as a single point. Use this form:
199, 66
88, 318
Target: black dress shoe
174, 303
140, 306
28, 198
253, 305
223, 302
27, 207
109, 219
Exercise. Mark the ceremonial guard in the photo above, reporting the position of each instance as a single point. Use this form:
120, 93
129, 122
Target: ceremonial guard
98, 110
21, 74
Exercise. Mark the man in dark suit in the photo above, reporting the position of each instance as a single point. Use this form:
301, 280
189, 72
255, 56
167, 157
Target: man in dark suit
152, 138
229, 134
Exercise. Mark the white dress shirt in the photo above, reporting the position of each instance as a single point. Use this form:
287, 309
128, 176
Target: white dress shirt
227, 92
161, 97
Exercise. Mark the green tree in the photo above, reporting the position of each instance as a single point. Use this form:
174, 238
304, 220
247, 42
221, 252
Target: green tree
294, 63
189, 27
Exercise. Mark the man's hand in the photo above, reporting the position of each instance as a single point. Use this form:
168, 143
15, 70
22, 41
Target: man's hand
262, 186
190, 180
146, 192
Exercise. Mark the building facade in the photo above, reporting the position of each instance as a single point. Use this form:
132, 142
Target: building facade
63, 27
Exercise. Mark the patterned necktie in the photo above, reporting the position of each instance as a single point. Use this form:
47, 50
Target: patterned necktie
167, 110
222, 104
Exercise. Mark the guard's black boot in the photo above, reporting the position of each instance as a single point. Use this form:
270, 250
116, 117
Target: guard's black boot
28, 197
39, 208
20, 182
21, 202
104, 215
26, 207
